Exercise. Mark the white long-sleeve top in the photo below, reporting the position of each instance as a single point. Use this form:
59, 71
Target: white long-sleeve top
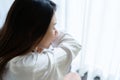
50, 64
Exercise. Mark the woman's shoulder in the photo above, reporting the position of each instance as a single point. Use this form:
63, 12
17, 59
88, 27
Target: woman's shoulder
29, 60
24, 60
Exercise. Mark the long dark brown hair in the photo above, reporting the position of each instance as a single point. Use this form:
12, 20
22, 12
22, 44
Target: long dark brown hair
26, 24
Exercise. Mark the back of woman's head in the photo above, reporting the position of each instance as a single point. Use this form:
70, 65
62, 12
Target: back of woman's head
26, 23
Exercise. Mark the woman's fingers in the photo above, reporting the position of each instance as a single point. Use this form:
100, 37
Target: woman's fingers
72, 76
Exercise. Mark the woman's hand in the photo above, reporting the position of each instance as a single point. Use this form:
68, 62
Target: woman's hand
72, 76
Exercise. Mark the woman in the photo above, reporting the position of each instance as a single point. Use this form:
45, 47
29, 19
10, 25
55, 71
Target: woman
25, 38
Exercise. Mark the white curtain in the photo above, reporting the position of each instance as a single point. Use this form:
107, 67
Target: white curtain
96, 25
102, 55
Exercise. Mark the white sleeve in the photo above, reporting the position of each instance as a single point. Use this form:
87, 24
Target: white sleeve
57, 61
65, 50
67, 43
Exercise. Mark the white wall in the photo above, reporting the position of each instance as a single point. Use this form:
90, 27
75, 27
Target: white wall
4, 7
